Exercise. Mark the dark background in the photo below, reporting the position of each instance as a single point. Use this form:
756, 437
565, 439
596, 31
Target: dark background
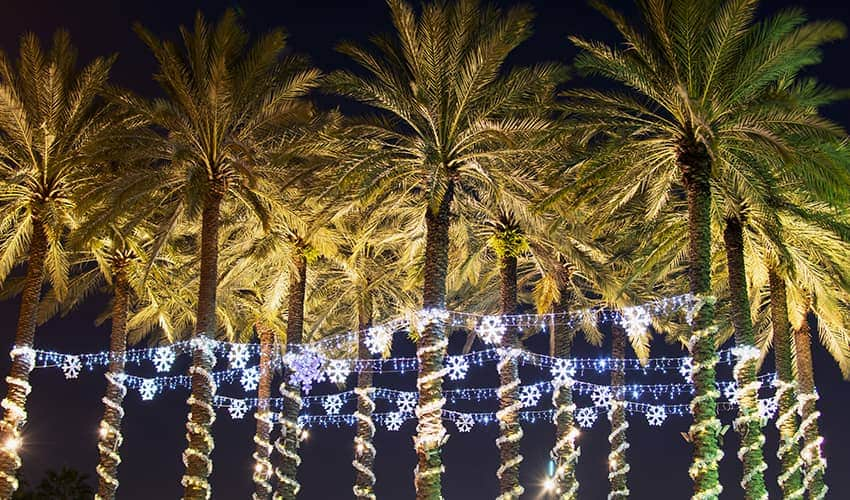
64, 414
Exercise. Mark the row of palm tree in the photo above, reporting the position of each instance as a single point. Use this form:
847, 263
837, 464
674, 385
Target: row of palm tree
233, 206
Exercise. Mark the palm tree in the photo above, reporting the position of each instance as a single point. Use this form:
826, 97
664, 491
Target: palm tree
50, 121
226, 101
701, 79
439, 82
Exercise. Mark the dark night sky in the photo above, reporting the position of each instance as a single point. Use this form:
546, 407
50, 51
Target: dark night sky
64, 415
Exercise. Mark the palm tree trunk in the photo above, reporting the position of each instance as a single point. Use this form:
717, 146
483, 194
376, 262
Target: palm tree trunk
110, 437
23, 358
431, 351
695, 165
263, 447
811, 452
748, 423
364, 449
510, 430
618, 466
201, 413
565, 453
790, 479
290, 438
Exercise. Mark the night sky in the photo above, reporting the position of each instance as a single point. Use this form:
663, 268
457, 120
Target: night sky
64, 414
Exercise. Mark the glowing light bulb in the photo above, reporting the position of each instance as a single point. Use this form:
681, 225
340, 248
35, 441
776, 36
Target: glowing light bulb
305, 434
12, 444
549, 484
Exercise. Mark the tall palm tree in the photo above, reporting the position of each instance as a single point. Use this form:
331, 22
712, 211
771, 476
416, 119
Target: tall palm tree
701, 80
227, 103
448, 104
50, 121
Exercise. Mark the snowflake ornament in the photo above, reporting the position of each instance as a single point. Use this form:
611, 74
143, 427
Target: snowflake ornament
602, 397
465, 422
378, 339
406, 402
767, 408
394, 421
686, 368
656, 415
332, 404
148, 389
306, 368
238, 409
337, 371
562, 372
491, 329
250, 379
585, 417
457, 367
163, 358
71, 366
238, 356
730, 392
529, 396
635, 320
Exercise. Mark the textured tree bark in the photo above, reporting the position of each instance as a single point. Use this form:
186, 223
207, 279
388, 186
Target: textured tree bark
110, 437
364, 448
23, 358
565, 453
288, 486
618, 466
811, 452
263, 447
748, 423
201, 413
510, 430
790, 478
431, 351
695, 164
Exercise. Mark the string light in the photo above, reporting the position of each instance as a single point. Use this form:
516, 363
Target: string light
15, 414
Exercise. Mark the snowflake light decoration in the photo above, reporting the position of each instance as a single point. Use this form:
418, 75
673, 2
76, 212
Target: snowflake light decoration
602, 397
465, 422
238, 356
585, 417
635, 320
332, 404
529, 396
562, 372
250, 379
406, 402
730, 392
337, 371
238, 409
457, 367
767, 408
163, 358
378, 339
656, 415
148, 389
491, 329
306, 368
686, 369
394, 421
71, 366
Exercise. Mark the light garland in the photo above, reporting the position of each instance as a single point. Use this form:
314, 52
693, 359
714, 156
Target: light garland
617, 466
15, 414
262, 464
565, 453
364, 450
510, 432
109, 436
708, 462
811, 452
787, 437
749, 420
290, 431
430, 433
200, 419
